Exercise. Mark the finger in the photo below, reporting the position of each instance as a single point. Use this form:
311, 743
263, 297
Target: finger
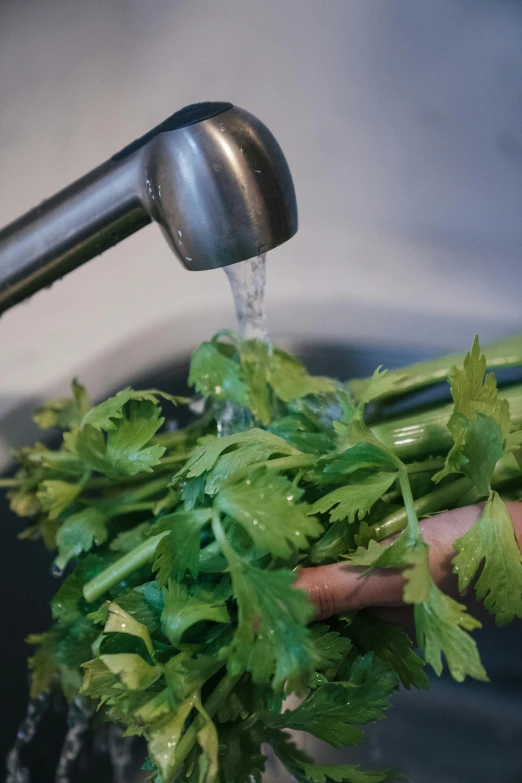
338, 587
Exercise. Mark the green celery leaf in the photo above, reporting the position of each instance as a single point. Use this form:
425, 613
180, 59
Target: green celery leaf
178, 552
102, 416
267, 598
65, 604
218, 376
479, 423
163, 738
365, 556
305, 771
120, 621
89, 444
379, 385
105, 415
131, 670
341, 773
492, 541
79, 533
329, 646
184, 674
289, 379
302, 435
393, 646
361, 456
241, 759
441, 625
126, 452
332, 711
182, 611
98, 681
64, 414
134, 603
265, 506
43, 665
354, 500
249, 447
56, 496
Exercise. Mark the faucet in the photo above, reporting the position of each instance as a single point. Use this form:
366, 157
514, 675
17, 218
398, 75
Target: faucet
212, 175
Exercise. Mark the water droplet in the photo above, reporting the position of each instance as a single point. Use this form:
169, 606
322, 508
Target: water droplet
188, 258
255, 522
247, 481
56, 571
218, 390
179, 233
290, 497
297, 533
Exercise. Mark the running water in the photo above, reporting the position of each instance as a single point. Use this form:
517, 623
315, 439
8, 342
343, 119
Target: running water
78, 717
247, 282
16, 771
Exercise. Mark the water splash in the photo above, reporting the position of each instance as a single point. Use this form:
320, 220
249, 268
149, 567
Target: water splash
120, 751
78, 718
247, 281
16, 771
233, 418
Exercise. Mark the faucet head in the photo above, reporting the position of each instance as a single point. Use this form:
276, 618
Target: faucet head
218, 184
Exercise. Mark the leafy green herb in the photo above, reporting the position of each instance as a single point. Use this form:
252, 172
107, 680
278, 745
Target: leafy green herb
180, 618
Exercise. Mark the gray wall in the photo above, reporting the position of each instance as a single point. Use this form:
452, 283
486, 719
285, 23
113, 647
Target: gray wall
401, 120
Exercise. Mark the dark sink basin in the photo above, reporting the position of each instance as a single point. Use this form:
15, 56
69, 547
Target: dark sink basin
462, 733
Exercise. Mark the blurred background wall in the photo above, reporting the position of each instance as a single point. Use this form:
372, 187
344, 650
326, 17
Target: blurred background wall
402, 124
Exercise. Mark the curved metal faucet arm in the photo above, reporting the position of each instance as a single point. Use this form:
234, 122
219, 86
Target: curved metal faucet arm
80, 222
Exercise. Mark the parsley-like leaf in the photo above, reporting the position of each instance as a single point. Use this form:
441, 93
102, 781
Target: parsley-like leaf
216, 375
354, 500
265, 505
441, 626
178, 552
182, 611
479, 423
246, 448
79, 533
492, 541
332, 711
289, 379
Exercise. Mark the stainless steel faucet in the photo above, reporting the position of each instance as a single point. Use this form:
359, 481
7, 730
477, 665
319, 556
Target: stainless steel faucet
212, 175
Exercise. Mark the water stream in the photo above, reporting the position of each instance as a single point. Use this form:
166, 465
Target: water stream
78, 717
247, 282
17, 772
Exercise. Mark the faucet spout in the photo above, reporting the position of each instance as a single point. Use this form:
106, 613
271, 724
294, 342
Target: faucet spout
212, 175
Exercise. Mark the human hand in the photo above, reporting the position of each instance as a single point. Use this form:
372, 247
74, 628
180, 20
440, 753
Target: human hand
338, 588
